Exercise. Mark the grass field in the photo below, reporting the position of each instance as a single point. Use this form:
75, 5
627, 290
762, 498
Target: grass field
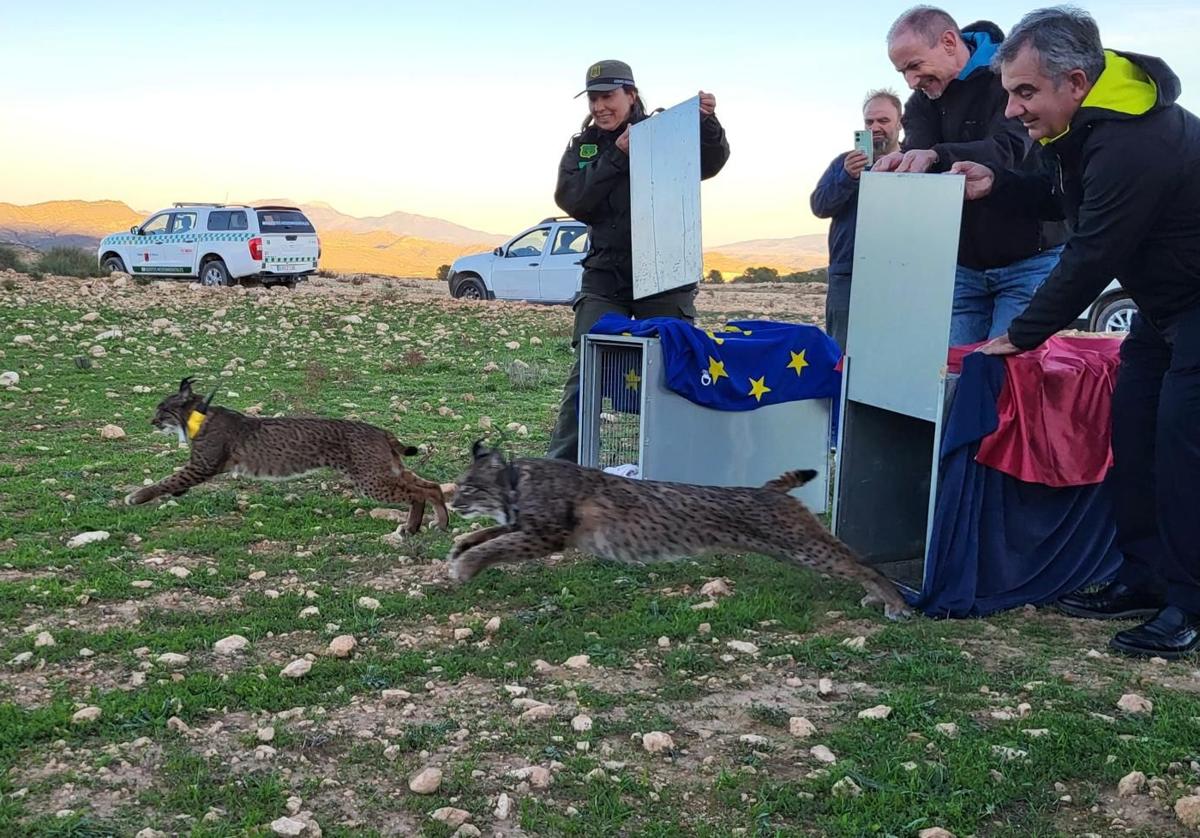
1007, 726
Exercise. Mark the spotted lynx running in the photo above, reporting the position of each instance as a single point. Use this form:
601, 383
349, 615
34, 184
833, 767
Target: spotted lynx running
224, 440
545, 505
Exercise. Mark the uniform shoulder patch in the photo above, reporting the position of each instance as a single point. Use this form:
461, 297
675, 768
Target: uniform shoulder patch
588, 150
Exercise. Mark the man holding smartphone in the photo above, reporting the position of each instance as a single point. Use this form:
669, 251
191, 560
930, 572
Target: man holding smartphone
836, 198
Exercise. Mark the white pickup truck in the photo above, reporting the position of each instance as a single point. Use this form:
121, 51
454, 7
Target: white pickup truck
218, 244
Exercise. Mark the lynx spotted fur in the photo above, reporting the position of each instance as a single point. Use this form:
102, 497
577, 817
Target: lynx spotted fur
224, 440
543, 506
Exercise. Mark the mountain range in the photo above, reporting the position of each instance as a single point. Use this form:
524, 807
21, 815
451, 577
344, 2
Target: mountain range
397, 244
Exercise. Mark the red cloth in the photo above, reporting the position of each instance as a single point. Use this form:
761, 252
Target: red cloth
1054, 411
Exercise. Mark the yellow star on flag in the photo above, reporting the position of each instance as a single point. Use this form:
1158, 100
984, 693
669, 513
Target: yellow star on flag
632, 380
716, 369
798, 361
758, 388
718, 341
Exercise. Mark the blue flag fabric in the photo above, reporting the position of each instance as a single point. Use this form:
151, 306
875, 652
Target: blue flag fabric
746, 365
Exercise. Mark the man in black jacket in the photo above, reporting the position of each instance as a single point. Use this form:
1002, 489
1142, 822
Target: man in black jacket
957, 113
1121, 161
593, 187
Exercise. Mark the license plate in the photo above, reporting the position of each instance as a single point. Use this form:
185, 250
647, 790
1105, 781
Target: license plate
291, 267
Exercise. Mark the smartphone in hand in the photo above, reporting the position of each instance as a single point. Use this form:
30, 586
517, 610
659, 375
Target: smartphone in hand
864, 142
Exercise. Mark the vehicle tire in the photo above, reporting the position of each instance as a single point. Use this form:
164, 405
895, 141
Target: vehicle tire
114, 263
470, 288
1115, 315
214, 274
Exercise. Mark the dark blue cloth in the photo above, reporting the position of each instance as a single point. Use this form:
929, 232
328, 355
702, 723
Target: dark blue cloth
836, 198
749, 364
999, 542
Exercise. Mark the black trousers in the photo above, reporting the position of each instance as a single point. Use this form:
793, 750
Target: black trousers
590, 307
1156, 454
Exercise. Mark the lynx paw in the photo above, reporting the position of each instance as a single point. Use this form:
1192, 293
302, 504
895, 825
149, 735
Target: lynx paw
137, 497
891, 610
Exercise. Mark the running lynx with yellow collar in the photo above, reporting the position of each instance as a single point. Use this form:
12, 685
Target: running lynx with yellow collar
283, 448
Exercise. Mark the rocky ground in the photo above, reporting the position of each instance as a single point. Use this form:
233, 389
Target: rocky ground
257, 659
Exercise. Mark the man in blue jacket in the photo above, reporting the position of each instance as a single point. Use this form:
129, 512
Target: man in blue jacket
836, 198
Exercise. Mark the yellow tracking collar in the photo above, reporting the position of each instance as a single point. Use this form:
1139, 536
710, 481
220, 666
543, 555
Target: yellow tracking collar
195, 420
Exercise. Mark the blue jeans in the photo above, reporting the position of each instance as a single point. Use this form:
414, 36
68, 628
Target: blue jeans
986, 302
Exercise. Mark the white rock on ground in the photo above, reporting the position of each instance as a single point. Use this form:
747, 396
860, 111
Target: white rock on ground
822, 754
174, 659
537, 776
267, 734
112, 432
801, 727
503, 807
231, 645
879, 711
743, 646
935, 832
846, 787
492, 626
657, 742
296, 669
85, 538
43, 640
87, 715
342, 646
369, 603
1187, 810
451, 816
1132, 783
8, 378
538, 713
1136, 704
716, 588
581, 723
288, 826
577, 662
426, 781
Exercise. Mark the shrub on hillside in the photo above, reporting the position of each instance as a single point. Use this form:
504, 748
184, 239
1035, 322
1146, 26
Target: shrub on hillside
10, 260
69, 261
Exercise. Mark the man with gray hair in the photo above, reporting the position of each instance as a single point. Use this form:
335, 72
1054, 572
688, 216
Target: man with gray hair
836, 198
1120, 160
956, 113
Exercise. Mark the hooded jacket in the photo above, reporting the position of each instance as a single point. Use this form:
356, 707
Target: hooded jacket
593, 187
967, 122
1126, 177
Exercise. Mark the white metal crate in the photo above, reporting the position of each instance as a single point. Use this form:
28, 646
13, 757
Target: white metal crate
628, 416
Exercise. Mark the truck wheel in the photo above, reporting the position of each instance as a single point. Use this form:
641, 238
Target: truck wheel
214, 274
470, 289
114, 263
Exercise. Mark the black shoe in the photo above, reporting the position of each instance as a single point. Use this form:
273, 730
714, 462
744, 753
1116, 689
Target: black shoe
1114, 601
1171, 634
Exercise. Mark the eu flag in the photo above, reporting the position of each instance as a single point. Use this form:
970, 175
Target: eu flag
744, 365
